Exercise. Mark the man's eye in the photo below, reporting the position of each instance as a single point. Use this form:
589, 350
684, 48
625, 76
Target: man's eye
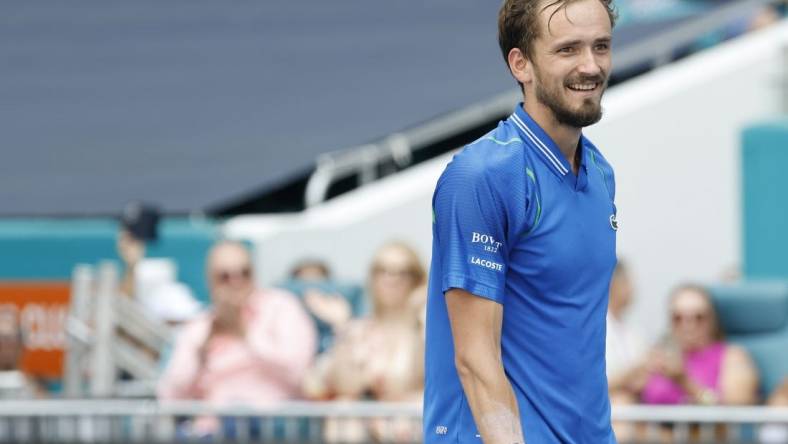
566, 50
602, 47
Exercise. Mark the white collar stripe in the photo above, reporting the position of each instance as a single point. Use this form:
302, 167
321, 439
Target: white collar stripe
545, 150
540, 145
536, 142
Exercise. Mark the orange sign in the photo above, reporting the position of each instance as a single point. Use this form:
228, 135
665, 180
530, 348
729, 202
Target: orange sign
40, 309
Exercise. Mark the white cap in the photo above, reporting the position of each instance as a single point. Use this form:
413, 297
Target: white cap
152, 272
171, 302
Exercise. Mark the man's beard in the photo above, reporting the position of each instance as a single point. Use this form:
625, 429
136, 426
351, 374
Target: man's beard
590, 112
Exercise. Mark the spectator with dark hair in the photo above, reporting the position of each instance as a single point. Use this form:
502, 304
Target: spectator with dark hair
252, 348
151, 282
694, 364
138, 226
311, 270
331, 304
379, 357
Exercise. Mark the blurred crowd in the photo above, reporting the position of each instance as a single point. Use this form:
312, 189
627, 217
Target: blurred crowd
310, 339
316, 338
692, 363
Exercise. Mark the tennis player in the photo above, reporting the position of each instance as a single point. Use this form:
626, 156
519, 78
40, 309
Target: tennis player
524, 245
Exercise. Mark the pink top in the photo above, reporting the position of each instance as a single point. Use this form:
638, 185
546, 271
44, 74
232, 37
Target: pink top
702, 366
263, 368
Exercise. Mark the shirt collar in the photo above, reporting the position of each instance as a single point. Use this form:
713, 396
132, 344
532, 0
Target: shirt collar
547, 149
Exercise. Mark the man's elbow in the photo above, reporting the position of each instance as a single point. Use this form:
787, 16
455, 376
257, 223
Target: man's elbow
475, 368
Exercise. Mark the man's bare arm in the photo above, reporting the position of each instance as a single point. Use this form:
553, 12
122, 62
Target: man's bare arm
476, 328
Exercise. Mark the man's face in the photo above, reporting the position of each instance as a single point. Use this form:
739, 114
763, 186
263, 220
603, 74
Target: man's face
571, 62
230, 274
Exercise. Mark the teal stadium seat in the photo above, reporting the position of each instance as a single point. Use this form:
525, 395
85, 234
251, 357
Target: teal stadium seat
754, 315
764, 205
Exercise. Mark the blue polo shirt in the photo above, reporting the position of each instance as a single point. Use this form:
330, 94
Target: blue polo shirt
514, 224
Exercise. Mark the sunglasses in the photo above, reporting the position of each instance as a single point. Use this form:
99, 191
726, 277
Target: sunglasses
401, 273
697, 318
227, 276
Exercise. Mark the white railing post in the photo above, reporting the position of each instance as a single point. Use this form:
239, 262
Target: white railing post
103, 367
79, 309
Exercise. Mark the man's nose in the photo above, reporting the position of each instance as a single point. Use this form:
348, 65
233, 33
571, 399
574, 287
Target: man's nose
589, 63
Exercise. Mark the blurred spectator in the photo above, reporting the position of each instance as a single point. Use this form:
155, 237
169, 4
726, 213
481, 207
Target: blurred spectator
14, 384
765, 16
694, 364
311, 270
331, 304
379, 357
151, 281
780, 395
776, 433
251, 348
138, 226
625, 350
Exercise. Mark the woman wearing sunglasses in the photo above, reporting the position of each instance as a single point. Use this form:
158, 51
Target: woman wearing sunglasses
694, 364
379, 357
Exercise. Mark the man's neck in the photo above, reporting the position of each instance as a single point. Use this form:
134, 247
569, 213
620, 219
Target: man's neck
564, 136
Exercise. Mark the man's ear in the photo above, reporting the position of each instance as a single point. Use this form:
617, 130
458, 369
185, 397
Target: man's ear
520, 66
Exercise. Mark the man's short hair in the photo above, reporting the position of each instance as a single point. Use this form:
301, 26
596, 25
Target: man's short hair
518, 22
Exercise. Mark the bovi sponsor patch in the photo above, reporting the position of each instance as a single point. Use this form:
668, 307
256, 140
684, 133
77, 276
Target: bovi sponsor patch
488, 243
485, 263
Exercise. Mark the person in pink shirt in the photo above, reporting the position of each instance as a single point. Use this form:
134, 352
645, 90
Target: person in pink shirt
694, 365
252, 348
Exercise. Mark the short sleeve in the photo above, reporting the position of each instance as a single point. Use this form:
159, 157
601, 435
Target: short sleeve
470, 226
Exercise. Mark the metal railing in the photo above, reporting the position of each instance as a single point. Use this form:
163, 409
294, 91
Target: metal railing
364, 160
398, 147
302, 422
149, 421
701, 424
